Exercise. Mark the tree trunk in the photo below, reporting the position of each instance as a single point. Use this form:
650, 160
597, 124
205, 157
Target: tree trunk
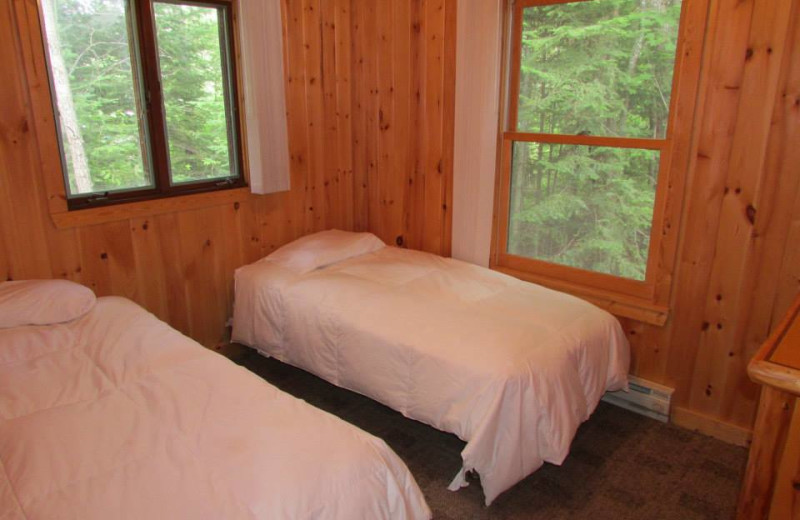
633, 62
70, 130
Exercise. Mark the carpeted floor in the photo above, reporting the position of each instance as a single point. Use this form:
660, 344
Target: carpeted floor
622, 465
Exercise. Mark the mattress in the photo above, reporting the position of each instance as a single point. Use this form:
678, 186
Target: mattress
116, 415
510, 367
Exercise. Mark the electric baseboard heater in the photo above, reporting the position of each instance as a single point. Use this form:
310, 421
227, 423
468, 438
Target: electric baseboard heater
644, 397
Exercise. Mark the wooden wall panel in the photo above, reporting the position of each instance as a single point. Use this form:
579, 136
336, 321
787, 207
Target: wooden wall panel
178, 265
403, 99
737, 244
722, 351
369, 96
738, 265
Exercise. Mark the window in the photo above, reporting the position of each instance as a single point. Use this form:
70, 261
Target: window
591, 140
145, 97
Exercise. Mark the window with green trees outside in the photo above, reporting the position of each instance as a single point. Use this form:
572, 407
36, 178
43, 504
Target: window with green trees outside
145, 97
590, 97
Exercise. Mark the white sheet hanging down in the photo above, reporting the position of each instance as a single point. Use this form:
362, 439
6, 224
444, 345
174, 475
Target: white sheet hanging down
116, 415
510, 367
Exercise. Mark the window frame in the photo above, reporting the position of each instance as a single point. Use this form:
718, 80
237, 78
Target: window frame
647, 299
147, 76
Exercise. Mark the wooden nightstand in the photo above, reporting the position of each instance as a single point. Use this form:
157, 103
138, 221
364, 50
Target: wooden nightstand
771, 486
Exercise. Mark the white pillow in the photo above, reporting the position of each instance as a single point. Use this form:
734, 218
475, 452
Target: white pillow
323, 249
43, 302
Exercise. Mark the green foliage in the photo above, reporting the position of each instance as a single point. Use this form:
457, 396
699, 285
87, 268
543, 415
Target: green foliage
96, 54
107, 94
194, 97
593, 68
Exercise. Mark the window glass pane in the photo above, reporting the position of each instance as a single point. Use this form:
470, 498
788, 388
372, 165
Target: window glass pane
99, 110
193, 58
598, 68
583, 206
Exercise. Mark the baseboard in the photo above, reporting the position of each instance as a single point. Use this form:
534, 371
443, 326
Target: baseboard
724, 431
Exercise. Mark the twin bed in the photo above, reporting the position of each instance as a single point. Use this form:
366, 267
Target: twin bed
510, 367
107, 412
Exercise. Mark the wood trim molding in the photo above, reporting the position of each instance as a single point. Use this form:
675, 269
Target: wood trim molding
588, 140
579, 277
147, 208
724, 431
45, 125
536, 3
621, 305
673, 175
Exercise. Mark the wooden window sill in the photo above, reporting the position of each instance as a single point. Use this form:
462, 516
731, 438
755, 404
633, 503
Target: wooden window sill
617, 304
64, 219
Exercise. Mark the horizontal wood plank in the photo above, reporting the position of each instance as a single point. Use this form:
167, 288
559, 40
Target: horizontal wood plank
711, 426
149, 208
588, 140
621, 305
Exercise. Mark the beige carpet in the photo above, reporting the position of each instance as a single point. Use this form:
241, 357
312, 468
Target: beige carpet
621, 465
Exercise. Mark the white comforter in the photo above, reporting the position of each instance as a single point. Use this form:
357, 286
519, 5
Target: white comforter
117, 415
508, 366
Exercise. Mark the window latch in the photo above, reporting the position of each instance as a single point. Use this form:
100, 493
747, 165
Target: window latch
226, 182
97, 197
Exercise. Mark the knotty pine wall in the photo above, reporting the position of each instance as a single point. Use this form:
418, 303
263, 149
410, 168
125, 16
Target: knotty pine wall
367, 102
403, 119
370, 106
739, 263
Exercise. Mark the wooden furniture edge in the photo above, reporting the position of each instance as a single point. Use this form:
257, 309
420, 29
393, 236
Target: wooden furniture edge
780, 377
772, 425
769, 466
763, 371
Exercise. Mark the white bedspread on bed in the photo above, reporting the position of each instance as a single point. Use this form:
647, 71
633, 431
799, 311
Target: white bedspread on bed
117, 415
510, 367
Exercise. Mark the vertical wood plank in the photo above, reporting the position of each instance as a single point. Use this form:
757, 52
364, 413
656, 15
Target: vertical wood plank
369, 100
383, 220
400, 151
432, 212
414, 199
343, 93
317, 202
360, 97
720, 351
724, 65
299, 217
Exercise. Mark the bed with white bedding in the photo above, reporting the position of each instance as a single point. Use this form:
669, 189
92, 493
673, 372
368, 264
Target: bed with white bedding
116, 415
510, 367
